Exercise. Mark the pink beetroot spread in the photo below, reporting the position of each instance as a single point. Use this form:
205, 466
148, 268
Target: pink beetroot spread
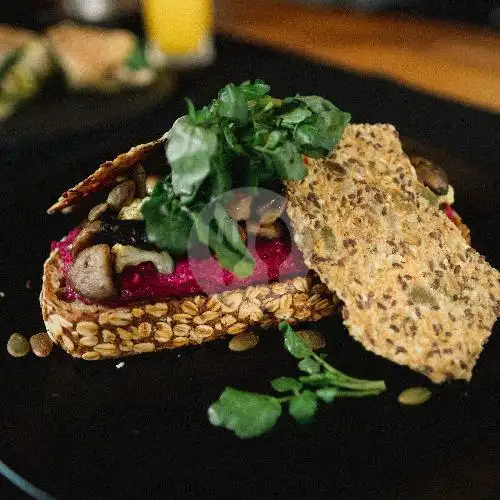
275, 259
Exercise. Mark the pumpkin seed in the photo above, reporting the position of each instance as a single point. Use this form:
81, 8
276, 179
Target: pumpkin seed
414, 396
41, 344
96, 212
313, 339
243, 342
18, 346
121, 195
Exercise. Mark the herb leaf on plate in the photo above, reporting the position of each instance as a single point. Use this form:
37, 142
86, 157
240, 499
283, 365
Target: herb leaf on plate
247, 414
250, 415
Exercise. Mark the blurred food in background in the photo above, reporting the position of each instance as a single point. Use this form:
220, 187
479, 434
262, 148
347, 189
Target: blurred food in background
99, 58
25, 64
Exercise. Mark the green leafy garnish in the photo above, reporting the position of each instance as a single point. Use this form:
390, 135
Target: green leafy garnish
137, 59
250, 415
243, 138
9, 61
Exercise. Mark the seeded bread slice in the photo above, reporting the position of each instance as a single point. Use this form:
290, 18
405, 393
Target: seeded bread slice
97, 331
414, 291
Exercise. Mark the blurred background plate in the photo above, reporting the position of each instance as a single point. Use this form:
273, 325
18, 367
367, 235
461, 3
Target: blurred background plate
57, 113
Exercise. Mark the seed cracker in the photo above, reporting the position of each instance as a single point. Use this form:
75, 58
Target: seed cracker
104, 176
414, 291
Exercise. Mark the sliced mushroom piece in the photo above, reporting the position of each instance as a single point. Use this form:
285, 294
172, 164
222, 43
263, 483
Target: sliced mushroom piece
91, 274
430, 174
140, 181
239, 207
85, 237
121, 195
96, 212
126, 255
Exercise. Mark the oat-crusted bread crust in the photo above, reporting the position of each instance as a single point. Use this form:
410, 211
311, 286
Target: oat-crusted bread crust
414, 291
105, 175
96, 331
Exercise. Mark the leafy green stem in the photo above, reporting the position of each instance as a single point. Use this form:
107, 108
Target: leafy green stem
359, 394
345, 380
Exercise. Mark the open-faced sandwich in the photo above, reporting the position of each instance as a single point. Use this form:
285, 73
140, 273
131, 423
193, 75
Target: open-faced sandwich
100, 59
191, 237
25, 64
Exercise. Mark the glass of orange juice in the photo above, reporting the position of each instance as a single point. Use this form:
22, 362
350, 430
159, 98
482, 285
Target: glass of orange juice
179, 32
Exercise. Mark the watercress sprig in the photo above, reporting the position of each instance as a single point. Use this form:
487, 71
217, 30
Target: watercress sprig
250, 415
243, 138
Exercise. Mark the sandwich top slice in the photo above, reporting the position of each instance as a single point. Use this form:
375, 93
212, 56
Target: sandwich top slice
25, 64
179, 242
100, 59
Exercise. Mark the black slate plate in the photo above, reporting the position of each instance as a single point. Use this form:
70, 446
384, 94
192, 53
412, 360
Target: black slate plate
89, 430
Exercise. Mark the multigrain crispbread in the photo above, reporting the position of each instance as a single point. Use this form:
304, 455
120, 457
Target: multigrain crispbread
105, 175
97, 331
413, 290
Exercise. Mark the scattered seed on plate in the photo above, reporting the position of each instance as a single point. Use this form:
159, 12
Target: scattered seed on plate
121, 364
28, 284
313, 339
243, 342
18, 346
414, 396
2, 295
41, 344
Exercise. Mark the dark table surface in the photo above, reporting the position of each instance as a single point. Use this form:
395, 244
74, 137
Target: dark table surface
89, 430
